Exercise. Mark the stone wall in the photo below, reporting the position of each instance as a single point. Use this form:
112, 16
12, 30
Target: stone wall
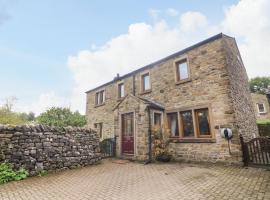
240, 96
260, 98
39, 147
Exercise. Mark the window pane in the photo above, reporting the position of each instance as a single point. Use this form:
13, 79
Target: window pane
203, 121
96, 98
261, 107
157, 119
101, 93
183, 70
121, 90
173, 124
146, 82
187, 123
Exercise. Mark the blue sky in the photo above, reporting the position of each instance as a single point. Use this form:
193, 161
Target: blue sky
38, 38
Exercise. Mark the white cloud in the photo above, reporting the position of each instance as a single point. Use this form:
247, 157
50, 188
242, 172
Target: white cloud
192, 21
249, 22
44, 102
154, 13
172, 12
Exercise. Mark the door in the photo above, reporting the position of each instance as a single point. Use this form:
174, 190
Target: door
127, 133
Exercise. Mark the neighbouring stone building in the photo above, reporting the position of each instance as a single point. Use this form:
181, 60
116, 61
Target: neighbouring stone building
191, 95
261, 106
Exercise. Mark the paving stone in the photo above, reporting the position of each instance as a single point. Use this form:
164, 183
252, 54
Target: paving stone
134, 181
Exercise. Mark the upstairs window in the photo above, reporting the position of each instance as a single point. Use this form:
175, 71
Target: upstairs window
146, 85
121, 90
182, 70
261, 108
100, 97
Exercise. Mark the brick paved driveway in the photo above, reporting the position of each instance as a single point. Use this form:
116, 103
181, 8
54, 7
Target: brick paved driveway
147, 182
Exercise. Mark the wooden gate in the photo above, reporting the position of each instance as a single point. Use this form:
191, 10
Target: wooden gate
256, 151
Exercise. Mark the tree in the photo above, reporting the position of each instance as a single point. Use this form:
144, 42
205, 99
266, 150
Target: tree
260, 85
61, 117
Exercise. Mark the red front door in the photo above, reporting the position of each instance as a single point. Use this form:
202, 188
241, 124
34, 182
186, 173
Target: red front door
128, 133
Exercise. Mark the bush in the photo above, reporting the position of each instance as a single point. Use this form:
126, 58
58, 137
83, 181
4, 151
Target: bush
8, 174
61, 117
263, 122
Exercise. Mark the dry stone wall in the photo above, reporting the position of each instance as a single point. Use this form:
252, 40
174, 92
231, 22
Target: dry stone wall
38, 147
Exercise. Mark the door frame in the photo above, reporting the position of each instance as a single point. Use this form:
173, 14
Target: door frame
134, 134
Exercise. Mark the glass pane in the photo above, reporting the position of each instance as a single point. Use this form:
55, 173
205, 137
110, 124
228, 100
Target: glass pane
173, 124
157, 119
146, 81
187, 123
101, 97
183, 70
122, 91
261, 107
203, 121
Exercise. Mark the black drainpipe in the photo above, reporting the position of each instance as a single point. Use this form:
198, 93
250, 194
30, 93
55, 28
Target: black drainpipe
149, 138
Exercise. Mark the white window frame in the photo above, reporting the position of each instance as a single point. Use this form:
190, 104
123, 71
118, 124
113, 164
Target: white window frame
259, 108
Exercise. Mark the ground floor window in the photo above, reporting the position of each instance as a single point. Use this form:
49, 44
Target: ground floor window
173, 124
193, 123
98, 126
261, 108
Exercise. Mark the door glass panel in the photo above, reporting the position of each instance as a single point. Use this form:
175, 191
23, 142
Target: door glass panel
157, 119
203, 121
187, 123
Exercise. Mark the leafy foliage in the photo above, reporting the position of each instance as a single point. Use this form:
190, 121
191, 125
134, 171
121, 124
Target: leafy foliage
263, 121
61, 117
7, 116
42, 173
7, 174
260, 85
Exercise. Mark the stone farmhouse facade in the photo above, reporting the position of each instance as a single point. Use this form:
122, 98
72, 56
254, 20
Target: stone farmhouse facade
191, 95
261, 106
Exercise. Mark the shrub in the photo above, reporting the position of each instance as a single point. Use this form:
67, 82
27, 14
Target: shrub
61, 117
263, 121
8, 174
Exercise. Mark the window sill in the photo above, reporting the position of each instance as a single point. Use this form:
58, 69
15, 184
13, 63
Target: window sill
145, 92
192, 140
182, 81
99, 105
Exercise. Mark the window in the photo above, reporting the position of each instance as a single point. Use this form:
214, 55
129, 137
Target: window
193, 124
121, 90
100, 97
187, 123
182, 70
98, 126
202, 120
157, 119
261, 108
173, 124
146, 86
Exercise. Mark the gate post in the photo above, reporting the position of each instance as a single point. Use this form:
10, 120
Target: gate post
244, 150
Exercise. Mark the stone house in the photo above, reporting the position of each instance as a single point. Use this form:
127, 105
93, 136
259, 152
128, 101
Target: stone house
191, 95
261, 106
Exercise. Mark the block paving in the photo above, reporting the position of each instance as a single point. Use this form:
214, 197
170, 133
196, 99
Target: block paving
114, 181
